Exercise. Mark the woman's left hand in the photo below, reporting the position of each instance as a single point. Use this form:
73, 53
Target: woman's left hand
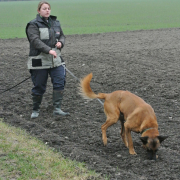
58, 45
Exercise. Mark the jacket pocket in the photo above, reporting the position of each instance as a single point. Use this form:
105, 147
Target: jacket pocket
36, 62
44, 33
57, 32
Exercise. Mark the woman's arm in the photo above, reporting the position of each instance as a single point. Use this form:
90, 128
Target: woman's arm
34, 38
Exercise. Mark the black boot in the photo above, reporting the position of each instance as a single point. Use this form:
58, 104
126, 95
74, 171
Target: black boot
36, 105
57, 101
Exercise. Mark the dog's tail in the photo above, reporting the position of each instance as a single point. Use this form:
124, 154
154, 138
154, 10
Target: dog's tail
86, 91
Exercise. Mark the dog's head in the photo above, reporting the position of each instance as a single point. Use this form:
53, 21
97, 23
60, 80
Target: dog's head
152, 145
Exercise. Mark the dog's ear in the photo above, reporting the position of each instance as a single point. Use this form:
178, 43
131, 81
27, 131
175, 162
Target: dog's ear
144, 139
162, 138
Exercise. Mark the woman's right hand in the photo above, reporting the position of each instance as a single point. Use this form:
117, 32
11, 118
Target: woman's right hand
52, 52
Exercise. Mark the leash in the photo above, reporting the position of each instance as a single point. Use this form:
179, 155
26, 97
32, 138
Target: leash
76, 77
71, 73
30, 77
79, 81
15, 85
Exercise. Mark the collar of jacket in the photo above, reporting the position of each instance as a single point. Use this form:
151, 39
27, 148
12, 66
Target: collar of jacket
38, 17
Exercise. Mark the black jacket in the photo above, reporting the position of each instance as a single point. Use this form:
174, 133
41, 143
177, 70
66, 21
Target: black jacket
43, 36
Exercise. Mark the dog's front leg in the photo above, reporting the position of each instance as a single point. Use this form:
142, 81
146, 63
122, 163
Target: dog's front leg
130, 142
123, 136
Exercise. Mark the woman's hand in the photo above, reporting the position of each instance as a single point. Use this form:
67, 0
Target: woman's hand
52, 52
58, 45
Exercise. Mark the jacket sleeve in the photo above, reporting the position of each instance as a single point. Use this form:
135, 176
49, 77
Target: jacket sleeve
34, 38
62, 37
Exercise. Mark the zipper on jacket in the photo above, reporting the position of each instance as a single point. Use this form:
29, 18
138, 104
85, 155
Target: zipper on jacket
51, 47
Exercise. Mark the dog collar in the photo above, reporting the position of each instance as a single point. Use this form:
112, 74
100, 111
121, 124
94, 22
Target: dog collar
145, 130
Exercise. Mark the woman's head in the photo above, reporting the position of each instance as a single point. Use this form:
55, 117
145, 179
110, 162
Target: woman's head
44, 9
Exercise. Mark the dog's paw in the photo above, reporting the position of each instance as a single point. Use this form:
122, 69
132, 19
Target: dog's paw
105, 141
126, 144
132, 152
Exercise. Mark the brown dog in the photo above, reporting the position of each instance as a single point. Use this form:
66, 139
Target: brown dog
133, 112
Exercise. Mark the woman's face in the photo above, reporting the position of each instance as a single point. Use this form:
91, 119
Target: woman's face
45, 11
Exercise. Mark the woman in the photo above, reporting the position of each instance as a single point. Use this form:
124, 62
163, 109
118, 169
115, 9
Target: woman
46, 40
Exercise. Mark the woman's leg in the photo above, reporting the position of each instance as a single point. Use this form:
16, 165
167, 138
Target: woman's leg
58, 75
39, 79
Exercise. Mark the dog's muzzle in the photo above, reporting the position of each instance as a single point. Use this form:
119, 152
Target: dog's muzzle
151, 154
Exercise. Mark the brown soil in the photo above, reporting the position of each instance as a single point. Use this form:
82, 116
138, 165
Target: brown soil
146, 63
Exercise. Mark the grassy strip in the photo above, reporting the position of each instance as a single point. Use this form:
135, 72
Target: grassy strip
25, 157
92, 16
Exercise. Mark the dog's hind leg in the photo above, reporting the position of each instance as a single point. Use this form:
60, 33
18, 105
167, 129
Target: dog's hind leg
112, 114
109, 122
123, 134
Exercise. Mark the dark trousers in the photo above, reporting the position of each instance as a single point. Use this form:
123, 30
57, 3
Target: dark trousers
40, 76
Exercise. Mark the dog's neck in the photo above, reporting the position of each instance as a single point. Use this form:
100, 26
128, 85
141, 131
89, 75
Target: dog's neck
148, 124
146, 130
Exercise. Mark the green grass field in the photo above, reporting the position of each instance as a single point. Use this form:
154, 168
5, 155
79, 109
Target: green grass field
24, 157
92, 16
